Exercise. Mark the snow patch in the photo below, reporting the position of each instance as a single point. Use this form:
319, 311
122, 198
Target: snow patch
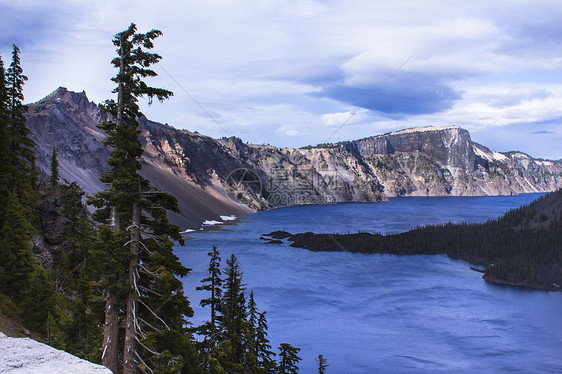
211, 222
187, 231
425, 129
500, 157
520, 155
483, 154
27, 356
228, 218
544, 163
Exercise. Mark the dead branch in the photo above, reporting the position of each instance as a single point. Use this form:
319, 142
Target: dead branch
154, 314
144, 363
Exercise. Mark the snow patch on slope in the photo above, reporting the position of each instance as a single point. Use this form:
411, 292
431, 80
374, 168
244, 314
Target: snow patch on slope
425, 129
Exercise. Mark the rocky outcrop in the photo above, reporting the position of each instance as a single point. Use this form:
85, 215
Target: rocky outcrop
24, 355
54, 208
445, 145
217, 177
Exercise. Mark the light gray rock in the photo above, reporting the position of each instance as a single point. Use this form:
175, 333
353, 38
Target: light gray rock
27, 356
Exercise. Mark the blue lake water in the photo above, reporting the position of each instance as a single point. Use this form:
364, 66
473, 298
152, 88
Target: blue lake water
385, 313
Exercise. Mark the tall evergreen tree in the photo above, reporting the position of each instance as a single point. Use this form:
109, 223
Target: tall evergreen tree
38, 304
288, 359
17, 263
75, 277
259, 357
250, 336
212, 284
154, 298
232, 319
19, 197
322, 364
22, 173
266, 356
5, 158
54, 178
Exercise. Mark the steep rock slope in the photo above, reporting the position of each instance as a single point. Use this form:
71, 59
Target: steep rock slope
213, 178
443, 160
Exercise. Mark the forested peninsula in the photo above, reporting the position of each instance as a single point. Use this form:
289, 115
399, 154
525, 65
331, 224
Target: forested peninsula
521, 248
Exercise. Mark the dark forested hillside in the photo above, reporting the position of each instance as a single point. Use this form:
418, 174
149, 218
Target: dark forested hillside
523, 247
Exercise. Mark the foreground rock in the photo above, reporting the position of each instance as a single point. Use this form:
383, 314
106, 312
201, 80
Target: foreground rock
24, 355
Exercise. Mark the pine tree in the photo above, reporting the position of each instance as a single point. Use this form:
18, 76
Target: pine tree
38, 304
5, 158
212, 284
266, 356
17, 263
250, 359
322, 364
154, 301
288, 359
22, 172
75, 277
54, 179
259, 357
233, 315
19, 198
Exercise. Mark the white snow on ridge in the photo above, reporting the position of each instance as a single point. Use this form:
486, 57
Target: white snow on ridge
487, 154
480, 152
544, 163
211, 222
520, 155
27, 356
500, 157
425, 129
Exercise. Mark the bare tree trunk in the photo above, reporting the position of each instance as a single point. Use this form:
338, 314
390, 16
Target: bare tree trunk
110, 351
130, 349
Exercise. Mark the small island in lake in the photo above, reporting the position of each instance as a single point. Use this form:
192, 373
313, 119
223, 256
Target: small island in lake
521, 248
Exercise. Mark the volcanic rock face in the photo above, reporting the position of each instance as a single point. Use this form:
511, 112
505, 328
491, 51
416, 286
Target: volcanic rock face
450, 146
214, 177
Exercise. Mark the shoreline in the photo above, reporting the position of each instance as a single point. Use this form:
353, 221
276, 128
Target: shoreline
296, 241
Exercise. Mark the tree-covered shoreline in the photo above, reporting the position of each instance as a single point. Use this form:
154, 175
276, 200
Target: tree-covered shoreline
521, 248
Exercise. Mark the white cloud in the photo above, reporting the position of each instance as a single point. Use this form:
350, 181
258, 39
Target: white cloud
256, 65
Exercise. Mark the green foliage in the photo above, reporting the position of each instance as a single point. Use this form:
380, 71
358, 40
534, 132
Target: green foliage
240, 343
232, 319
17, 263
18, 193
322, 364
38, 303
140, 268
22, 176
54, 178
5, 146
288, 359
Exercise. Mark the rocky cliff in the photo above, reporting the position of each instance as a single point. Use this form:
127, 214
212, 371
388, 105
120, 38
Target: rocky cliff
215, 178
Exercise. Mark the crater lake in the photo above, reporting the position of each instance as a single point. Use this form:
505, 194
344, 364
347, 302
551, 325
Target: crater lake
373, 313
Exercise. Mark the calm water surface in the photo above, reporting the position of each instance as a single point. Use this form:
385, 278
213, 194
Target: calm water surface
385, 313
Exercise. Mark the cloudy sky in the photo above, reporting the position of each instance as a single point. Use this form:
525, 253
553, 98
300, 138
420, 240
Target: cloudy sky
298, 72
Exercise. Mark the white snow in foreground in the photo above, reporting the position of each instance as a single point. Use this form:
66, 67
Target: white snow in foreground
211, 222
228, 218
27, 356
